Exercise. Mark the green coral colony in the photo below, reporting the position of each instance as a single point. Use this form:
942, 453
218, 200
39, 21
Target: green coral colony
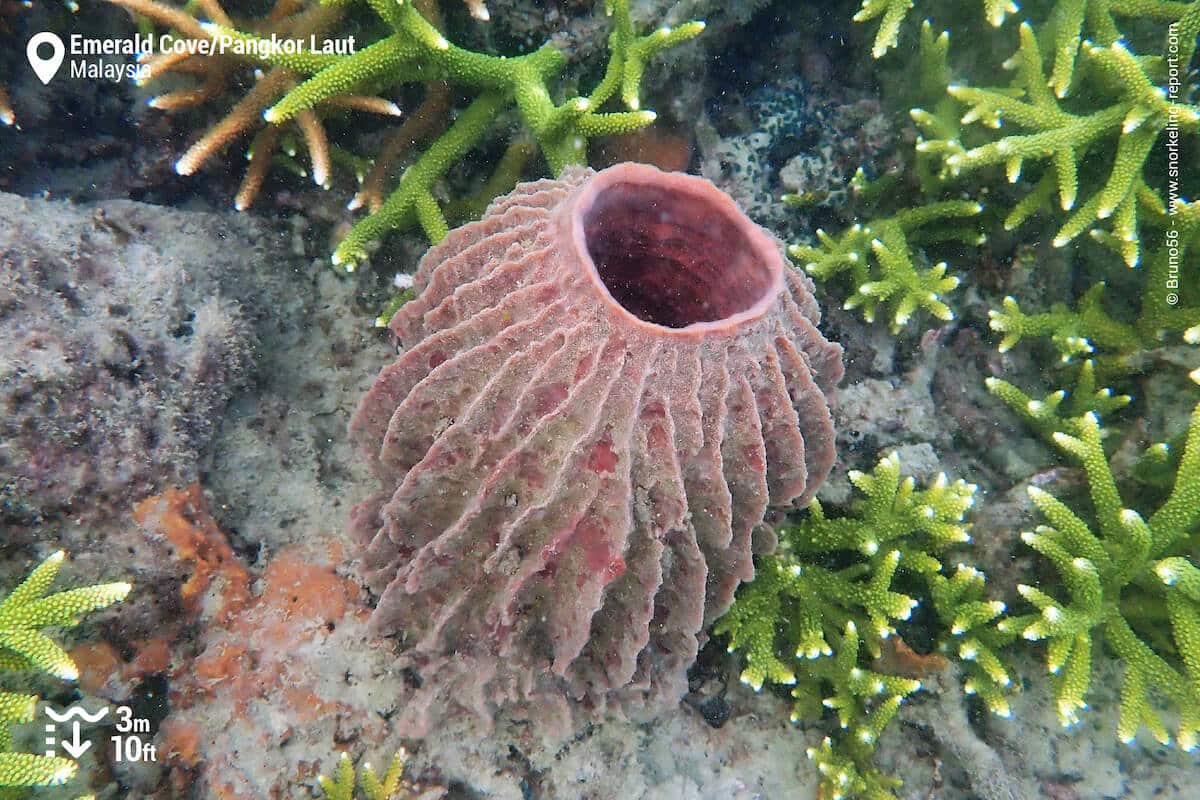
805, 624
1086, 96
390, 786
820, 609
24, 614
415, 51
1123, 576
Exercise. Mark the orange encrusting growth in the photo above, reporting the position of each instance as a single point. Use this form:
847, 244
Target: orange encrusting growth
897, 657
97, 662
248, 675
181, 516
256, 657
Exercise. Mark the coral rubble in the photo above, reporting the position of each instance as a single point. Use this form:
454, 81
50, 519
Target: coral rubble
606, 383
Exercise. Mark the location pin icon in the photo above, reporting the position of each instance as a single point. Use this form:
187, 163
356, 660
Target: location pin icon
45, 68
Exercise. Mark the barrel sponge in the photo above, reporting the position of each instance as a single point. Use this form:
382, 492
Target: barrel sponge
602, 387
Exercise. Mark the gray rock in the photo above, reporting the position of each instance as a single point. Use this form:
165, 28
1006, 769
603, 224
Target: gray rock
118, 351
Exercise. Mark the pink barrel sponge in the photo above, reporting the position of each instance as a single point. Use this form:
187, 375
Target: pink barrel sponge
602, 387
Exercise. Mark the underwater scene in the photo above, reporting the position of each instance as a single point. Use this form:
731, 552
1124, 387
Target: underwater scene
599, 399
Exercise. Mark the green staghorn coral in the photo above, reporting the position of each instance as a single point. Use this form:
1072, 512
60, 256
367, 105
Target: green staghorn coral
415, 51
878, 260
1132, 115
1169, 303
1077, 22
1062, 410
24, 647
892, 14
390, 786
877, 257
1085, 94
820, 609
1130, 583
1073, 19
941, 126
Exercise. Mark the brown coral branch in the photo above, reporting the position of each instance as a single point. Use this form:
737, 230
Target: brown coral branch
154, 65
244, 115
166, 16
283, 9
427, 121
311, 22
215, 13
366, 103
211, 86
317, 144
6, 111
478, 9
287, 18
259, 158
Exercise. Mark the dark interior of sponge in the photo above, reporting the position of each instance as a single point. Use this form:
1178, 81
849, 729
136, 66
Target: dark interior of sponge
673, 258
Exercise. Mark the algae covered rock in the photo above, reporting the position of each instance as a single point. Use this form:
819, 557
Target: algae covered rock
117, 352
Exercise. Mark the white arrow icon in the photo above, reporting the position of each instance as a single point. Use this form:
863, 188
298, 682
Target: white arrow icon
74, 747
45, 68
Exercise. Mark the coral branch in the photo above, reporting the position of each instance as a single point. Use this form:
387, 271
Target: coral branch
414, 51
1167, 305
878, 259
24, 613
1122, 576
7, 117
1063, 139
805, 624
392, 785
220, 71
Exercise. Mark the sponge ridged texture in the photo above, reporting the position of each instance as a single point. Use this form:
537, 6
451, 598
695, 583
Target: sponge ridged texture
570, 492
